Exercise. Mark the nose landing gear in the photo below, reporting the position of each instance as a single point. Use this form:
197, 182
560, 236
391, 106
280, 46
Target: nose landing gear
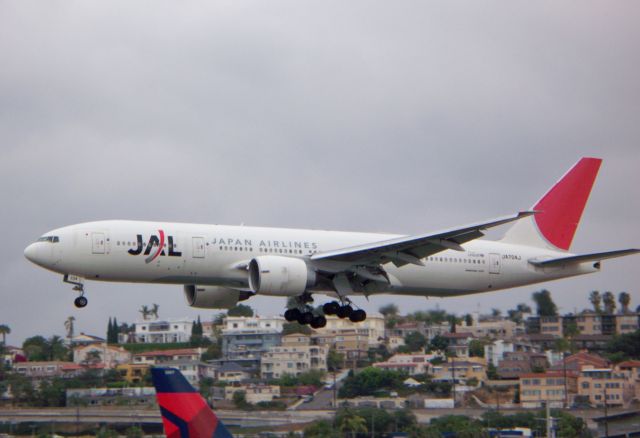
78, 286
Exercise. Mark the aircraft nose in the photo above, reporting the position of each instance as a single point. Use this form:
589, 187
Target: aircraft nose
31, 252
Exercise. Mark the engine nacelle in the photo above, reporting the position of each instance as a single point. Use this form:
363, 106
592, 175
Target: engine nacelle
213, 297
276, 275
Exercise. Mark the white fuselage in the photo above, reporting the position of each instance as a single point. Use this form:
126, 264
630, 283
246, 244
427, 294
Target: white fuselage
217, 255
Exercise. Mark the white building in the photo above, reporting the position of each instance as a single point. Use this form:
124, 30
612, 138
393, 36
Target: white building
192, 370
108, 355
372, 327
254, 393
241, 323
166, 331
296, 355
495, 351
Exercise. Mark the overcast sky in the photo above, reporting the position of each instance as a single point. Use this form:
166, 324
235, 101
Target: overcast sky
402, 117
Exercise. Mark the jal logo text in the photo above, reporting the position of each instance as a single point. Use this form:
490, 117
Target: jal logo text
157, 243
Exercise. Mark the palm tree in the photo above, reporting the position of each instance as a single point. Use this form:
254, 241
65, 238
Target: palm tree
4, 331
596, 300
353, 423
68, 325
56, 349
624, 299
609, 301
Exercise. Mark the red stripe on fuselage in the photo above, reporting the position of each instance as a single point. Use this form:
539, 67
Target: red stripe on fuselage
160, 246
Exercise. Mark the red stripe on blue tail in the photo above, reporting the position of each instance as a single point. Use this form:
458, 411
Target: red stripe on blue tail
185, 414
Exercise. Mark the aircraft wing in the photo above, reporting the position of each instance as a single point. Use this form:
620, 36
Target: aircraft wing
597, 256
410, 249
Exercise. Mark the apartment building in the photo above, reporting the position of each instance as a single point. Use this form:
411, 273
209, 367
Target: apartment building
460, 369
247, 338
458, 343
633, 367
372, 328
411, 364
133, 372
516, 363
157, 357
536, 389
349, 342
612, 386
588, 324
295, 356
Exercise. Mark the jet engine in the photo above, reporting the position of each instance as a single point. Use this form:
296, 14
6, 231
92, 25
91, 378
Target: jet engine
213, 297
276, 275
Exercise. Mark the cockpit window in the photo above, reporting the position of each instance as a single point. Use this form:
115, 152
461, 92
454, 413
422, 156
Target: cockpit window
52, 239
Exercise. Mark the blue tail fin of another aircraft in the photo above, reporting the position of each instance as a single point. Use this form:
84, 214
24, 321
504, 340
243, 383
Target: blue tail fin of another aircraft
185, 414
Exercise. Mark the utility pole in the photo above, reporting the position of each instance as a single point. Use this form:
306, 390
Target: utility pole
606, 420
564, 368
453, 378
549, 426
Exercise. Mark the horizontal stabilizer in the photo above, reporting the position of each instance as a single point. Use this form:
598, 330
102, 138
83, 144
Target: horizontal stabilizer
596, 256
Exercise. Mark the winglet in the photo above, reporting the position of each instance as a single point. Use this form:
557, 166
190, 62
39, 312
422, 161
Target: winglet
185, 414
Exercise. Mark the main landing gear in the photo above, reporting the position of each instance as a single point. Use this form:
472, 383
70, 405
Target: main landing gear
344, 311
78, 286
303, 313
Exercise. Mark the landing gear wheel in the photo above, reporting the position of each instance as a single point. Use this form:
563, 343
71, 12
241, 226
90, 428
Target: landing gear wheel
292, 315
318, 322
331, 308
80, 302
358, 315
344, 311
305, 318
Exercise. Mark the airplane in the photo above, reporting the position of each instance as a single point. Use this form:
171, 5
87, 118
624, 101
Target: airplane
185, 414
219, 266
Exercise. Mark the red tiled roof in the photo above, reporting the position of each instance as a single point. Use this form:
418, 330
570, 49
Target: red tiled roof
630, 364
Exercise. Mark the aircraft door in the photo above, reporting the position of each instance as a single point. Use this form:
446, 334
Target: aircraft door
197, 250
97, 243
494, 263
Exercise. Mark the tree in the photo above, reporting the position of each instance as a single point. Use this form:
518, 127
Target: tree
370, 380
352, 423
415, 341
476, 348
609, 301
492, 371
439, 343
389, 310
468, 320
4, 331
596, 300
495, 312
240, 399
320, 429
626, 346
295, 327
34, 348
624, 299
240, 310
117, 329
544, 303
335, 360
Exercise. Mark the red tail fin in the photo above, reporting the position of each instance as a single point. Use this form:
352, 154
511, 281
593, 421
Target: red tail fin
559, 210
185, 414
